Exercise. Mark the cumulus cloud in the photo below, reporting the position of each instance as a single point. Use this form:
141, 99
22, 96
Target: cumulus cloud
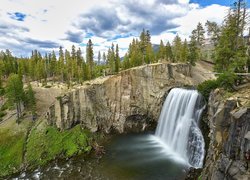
46, 25
197, 14
41, 43
132, 16
75, 37
100, 21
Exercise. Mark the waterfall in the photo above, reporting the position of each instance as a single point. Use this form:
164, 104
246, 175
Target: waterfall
178, 125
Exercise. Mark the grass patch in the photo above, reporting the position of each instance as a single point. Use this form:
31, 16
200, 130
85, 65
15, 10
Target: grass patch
11, 150
46, 143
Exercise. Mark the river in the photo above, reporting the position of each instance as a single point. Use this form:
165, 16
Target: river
134, 156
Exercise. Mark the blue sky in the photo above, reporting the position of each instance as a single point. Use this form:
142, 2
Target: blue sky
209, 2
47, 24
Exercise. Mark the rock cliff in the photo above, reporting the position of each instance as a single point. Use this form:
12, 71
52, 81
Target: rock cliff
131, 99
228, 156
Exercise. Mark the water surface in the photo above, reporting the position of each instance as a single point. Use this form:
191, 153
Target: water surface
135, 157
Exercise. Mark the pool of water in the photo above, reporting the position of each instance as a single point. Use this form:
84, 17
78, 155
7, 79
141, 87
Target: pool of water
135, 157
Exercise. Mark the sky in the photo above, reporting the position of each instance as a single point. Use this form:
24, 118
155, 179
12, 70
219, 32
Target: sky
45, 25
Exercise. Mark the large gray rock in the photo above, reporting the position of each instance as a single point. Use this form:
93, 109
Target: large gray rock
229, 139
106, 106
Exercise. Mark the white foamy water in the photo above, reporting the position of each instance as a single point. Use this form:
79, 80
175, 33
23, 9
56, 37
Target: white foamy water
178, 126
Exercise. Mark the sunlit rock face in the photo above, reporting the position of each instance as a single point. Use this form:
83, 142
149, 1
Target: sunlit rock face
109, 103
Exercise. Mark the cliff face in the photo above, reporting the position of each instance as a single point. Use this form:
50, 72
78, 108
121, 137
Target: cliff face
131, 99
228, 156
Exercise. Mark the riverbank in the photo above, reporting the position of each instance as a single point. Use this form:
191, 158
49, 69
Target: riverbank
31, 144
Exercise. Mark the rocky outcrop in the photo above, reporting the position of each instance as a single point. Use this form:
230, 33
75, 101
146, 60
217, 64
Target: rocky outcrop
110, 103
228, 156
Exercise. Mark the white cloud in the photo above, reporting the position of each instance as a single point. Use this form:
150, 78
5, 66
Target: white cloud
196, 14
60, 22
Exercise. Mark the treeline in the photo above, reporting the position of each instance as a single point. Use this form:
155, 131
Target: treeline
230, 53
141, 50
71, 66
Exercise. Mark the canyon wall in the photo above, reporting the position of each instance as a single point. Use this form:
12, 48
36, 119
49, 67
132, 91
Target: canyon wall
228, 156
129, 100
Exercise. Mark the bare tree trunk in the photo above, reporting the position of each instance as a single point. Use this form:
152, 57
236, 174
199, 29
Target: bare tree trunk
17, 112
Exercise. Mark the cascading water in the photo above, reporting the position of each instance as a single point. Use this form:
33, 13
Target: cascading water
178, 125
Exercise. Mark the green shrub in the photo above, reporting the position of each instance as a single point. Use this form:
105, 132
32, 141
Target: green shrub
2, 91
206, 87
227, 80
7, 105
2, 114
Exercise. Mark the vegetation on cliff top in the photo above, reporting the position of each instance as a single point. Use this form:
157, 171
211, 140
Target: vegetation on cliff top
225, 80
231, 54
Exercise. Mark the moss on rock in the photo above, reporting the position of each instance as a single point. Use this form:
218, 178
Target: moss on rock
19, 149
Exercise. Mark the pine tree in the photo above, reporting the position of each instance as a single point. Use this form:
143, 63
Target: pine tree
199, 36
31, 101
104, 58
177, 48
231, 49
143, 44
111, 58
99, 58
184, 51
68, 69
1, 80
73, 52
80, 62
213, 31
31, 68
150, 56
20, 70
126, 63
15, 93
143, 48
193, 50
117, 59
90, 58
169, 52
53, 65
162, 51
61, 63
